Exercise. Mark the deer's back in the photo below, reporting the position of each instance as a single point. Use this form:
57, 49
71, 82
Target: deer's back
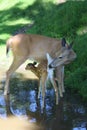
34, 46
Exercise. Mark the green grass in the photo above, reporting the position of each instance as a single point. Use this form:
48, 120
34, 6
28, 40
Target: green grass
16, 14
11, 17
67, 20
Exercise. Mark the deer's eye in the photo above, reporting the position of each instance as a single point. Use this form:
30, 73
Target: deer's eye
60, 57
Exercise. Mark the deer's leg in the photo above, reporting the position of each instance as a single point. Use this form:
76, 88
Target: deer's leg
55, 89
43, 83
39, 90
60, 82
60, 76
16, 63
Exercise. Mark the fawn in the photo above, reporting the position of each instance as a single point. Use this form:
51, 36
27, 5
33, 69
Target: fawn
41, 72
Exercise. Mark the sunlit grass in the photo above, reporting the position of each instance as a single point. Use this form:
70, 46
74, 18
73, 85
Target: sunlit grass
4, 37
2, 50
82, 30
19, 21
9, 18
7, 4
3, 56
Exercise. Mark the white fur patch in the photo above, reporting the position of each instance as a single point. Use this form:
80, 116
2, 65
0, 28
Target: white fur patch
49, 70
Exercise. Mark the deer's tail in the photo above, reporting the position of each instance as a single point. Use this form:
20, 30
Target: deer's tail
8, 46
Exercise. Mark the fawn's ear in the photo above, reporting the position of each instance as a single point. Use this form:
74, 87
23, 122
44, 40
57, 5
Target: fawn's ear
34, 63
49, 58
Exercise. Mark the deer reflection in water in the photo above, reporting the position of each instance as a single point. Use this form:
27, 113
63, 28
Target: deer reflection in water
22, 124
65, 116
12, 122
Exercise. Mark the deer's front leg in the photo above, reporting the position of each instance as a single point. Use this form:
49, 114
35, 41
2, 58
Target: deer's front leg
55, 89
60, 78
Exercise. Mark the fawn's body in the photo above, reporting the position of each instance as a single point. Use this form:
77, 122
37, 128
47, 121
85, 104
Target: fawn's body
41, 72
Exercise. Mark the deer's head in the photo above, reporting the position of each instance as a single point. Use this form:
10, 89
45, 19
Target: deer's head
65, 56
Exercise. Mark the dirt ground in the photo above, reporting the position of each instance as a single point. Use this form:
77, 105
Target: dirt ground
5, 63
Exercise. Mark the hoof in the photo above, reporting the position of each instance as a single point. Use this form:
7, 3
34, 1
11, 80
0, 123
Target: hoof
57, 103
61, 95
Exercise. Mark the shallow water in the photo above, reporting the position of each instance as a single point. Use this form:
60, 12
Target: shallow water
70, 114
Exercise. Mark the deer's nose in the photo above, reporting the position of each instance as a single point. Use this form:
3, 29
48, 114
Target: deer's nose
50, 66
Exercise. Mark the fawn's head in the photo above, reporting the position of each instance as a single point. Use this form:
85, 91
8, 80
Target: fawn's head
30, 66
65, 56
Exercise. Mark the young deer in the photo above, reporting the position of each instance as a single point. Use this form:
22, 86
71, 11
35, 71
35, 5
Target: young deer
29, 46
41, 72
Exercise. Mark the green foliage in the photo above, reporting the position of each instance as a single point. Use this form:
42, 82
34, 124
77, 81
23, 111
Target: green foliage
67, 19
51, 19
60, 20
76, 72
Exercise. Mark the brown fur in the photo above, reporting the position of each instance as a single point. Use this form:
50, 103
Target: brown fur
41, 72
35, 47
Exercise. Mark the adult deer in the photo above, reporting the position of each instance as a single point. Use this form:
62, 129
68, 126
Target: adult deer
35, 47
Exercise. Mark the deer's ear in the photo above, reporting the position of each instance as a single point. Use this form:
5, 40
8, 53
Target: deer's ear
63, 42
70, 46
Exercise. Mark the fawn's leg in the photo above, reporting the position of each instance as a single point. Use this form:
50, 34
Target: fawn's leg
43, 83
15, 64
40, 87
55, 88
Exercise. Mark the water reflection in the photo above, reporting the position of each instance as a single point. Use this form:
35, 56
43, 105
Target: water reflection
70, 114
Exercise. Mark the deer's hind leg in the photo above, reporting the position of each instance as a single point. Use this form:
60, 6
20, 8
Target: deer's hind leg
17, 61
